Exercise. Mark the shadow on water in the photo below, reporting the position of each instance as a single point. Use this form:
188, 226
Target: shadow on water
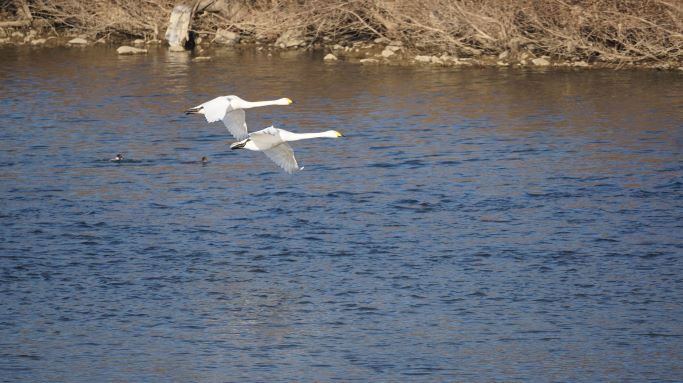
474, 225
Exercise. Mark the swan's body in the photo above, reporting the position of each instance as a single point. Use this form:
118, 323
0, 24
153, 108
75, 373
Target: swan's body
230, 110
273, 142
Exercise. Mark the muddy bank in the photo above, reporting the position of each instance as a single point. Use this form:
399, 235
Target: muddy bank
378, 51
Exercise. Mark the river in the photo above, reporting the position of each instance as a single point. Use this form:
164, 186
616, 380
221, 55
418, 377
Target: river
473, 225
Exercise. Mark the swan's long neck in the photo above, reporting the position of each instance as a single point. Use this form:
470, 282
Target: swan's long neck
255, 104
289, 136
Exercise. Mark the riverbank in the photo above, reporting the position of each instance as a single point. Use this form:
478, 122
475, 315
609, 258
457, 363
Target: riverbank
585, 34
375, 52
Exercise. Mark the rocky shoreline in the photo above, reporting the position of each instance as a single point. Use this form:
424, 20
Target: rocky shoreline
380, 51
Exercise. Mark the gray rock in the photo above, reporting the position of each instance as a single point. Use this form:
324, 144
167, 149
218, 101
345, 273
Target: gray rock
464, 61
138, 42
126, 50
290, 39
38, 42
381, 40
368, 61
540, 62
226, 37
78, 41
386, 53
503, 55
330, 57
580, 64
423, 59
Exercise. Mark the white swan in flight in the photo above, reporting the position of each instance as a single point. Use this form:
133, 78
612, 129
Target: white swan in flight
273, 142
230, 109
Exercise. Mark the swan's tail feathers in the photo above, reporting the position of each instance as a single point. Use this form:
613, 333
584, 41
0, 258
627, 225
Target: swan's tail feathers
239, 145
195, 110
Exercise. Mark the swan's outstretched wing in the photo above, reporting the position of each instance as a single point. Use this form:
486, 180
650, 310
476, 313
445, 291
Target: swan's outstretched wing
268, 141
236, 124
215, 109
283, 156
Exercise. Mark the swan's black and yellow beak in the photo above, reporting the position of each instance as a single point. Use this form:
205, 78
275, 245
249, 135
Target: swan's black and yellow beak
196, 110
339, 134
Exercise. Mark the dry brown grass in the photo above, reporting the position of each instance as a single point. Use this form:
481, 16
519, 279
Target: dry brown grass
606, 30
105, 17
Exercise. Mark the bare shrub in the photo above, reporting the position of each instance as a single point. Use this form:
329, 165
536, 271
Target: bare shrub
101, 17
607, 30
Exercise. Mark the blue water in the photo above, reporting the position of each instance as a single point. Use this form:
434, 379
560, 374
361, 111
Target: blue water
476, 225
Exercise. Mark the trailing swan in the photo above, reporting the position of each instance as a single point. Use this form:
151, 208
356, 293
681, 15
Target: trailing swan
273, 142
230, 110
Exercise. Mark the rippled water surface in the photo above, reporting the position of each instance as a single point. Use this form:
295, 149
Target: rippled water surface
475, 225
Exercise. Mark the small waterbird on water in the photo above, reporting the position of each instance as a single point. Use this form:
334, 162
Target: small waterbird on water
119, 157
230, 110
205, 160
273, 142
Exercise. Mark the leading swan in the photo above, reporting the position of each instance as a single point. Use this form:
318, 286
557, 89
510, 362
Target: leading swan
230, 109
273, 142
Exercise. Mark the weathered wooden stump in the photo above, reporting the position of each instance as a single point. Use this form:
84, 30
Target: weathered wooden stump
178, 31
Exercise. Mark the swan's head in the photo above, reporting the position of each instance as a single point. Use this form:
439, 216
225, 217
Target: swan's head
333, 134
281, 101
